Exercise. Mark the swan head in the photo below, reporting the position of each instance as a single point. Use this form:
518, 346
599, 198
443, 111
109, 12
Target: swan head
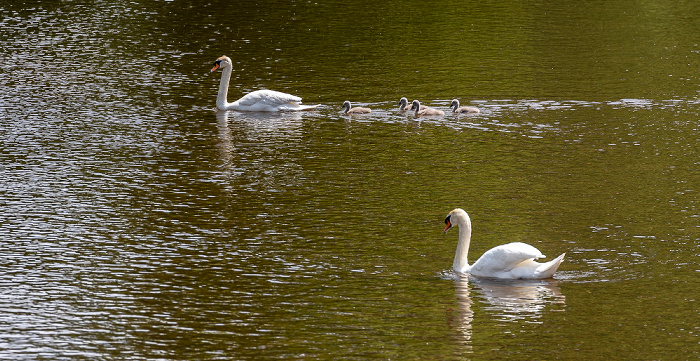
222, 62
415, 105
346, 105
403, 102
455, 104
456, 217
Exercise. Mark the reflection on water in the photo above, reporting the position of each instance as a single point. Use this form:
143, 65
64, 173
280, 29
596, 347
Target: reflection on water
504, 300
518, 299
466, 314
226, 147
498, 301
253, 128
252, 149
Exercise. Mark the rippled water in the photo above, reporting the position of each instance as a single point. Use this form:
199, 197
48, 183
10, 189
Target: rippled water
138, 223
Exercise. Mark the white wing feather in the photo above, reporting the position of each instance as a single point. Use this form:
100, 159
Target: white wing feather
267, 98
504, 258
268, 101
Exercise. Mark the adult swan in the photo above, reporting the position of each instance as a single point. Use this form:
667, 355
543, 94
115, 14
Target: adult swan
509, 261
257, 101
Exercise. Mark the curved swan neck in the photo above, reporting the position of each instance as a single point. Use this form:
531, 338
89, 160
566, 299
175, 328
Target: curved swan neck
221, 102
465, 234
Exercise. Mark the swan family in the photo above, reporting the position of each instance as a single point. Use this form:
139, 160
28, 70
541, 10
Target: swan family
509, 261
274, 101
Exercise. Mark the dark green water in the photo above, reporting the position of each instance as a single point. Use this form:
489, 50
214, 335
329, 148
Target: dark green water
138, 223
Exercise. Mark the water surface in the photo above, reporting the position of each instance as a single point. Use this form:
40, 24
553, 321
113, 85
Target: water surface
139, 223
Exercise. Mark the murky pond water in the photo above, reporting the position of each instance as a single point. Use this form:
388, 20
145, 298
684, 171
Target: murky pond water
139, 223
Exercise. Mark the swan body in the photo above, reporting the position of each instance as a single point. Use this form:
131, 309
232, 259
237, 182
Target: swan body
403, 105
457, 109
425, 111
508, 261
257, 101
356, 110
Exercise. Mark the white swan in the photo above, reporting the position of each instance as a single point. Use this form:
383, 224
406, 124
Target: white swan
356, 110
510, 261
257, 101
422, 110
403, 105
458, 109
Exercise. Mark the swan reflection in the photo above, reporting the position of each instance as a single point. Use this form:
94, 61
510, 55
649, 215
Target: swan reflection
262, 123
225, 144
507, 300
518, 299
252, 148
252, 127
465, 316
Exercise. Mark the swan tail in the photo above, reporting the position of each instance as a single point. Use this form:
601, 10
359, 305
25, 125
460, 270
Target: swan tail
546, 270
295, 107
308, 107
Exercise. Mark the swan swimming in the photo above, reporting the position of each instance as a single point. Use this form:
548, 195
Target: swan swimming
508, 261
257, 101
355, 110
457, 109
404, 105
423, 110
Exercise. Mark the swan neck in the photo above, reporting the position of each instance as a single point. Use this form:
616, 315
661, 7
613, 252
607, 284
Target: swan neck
461, 264
221, 101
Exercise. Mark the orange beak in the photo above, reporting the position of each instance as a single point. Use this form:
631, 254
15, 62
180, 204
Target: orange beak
448, 225
216, 66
